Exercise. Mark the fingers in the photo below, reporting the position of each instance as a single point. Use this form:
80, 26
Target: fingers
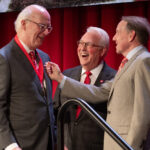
17, 148
51, 67
48, 66
49, 63
53, 71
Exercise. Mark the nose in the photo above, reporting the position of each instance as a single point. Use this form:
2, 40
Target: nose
81, 49
114, 37
84, 47
46, 32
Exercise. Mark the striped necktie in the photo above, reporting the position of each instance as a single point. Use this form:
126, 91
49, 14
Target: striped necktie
33, 58
123, 62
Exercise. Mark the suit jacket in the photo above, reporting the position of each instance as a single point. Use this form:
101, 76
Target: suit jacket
129, 101
78, 132
26, 112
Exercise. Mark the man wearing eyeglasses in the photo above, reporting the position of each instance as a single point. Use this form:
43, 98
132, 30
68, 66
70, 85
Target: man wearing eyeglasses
26, 112
80, 131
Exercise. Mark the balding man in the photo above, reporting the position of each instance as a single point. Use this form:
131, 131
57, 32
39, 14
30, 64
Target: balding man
26, 113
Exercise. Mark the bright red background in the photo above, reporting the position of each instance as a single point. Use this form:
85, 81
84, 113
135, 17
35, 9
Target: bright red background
70, 23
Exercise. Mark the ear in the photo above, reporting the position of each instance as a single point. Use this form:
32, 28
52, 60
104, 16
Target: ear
132, 35
103, 52
23, 24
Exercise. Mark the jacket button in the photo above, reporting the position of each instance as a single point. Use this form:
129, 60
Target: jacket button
75, 123
108, 112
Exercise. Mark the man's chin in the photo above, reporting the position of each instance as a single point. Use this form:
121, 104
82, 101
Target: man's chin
83, 63
118, 51
38, 44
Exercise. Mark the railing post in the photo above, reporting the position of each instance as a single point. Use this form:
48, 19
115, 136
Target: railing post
93, 115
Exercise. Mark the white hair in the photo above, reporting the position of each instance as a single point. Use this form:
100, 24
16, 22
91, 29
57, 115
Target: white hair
26, 13
104, 37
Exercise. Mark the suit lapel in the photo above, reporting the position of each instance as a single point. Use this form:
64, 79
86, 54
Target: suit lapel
48, 89
25, 64
103, 75
47, 93
123, 70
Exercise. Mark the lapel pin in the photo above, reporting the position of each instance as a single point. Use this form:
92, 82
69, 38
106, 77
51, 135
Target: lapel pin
101, 81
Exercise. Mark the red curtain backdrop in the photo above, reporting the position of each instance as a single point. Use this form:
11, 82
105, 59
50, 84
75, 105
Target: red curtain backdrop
69, 24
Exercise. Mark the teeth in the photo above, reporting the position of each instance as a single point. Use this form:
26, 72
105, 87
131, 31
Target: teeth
84, 55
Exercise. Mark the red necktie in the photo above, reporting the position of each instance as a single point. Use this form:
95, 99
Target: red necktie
123, 62
38, 67
86, 81
33, 58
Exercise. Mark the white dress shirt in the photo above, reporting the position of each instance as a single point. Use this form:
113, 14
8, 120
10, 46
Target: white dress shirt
95, 72
133, 51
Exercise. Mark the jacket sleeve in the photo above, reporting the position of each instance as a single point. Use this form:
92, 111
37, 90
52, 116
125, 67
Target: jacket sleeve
89, 93
6, 136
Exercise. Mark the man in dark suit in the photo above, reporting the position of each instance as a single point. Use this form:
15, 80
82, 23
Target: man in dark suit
81, 132
26, 111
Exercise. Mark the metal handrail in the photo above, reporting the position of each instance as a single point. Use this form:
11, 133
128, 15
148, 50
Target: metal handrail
93, 115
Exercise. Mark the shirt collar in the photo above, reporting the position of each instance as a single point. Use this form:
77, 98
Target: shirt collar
133, 51
26, 47
95, 70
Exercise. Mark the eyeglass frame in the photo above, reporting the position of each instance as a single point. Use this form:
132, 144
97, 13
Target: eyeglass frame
43, 27
88, 44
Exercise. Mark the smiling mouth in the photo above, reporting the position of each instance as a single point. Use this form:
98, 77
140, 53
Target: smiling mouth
84, 55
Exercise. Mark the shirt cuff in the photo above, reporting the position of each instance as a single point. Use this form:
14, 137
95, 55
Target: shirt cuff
61, 85
11, 146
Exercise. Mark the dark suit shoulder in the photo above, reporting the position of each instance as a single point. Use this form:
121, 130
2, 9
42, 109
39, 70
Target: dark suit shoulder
42, 54
107, 73
108, 70
72, 71
4, 51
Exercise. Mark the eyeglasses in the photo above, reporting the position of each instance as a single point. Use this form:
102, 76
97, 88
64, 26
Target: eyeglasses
87, 44
43, 27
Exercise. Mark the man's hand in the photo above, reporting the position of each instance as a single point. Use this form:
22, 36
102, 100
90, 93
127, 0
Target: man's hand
65, 148
13, 146
54, 72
